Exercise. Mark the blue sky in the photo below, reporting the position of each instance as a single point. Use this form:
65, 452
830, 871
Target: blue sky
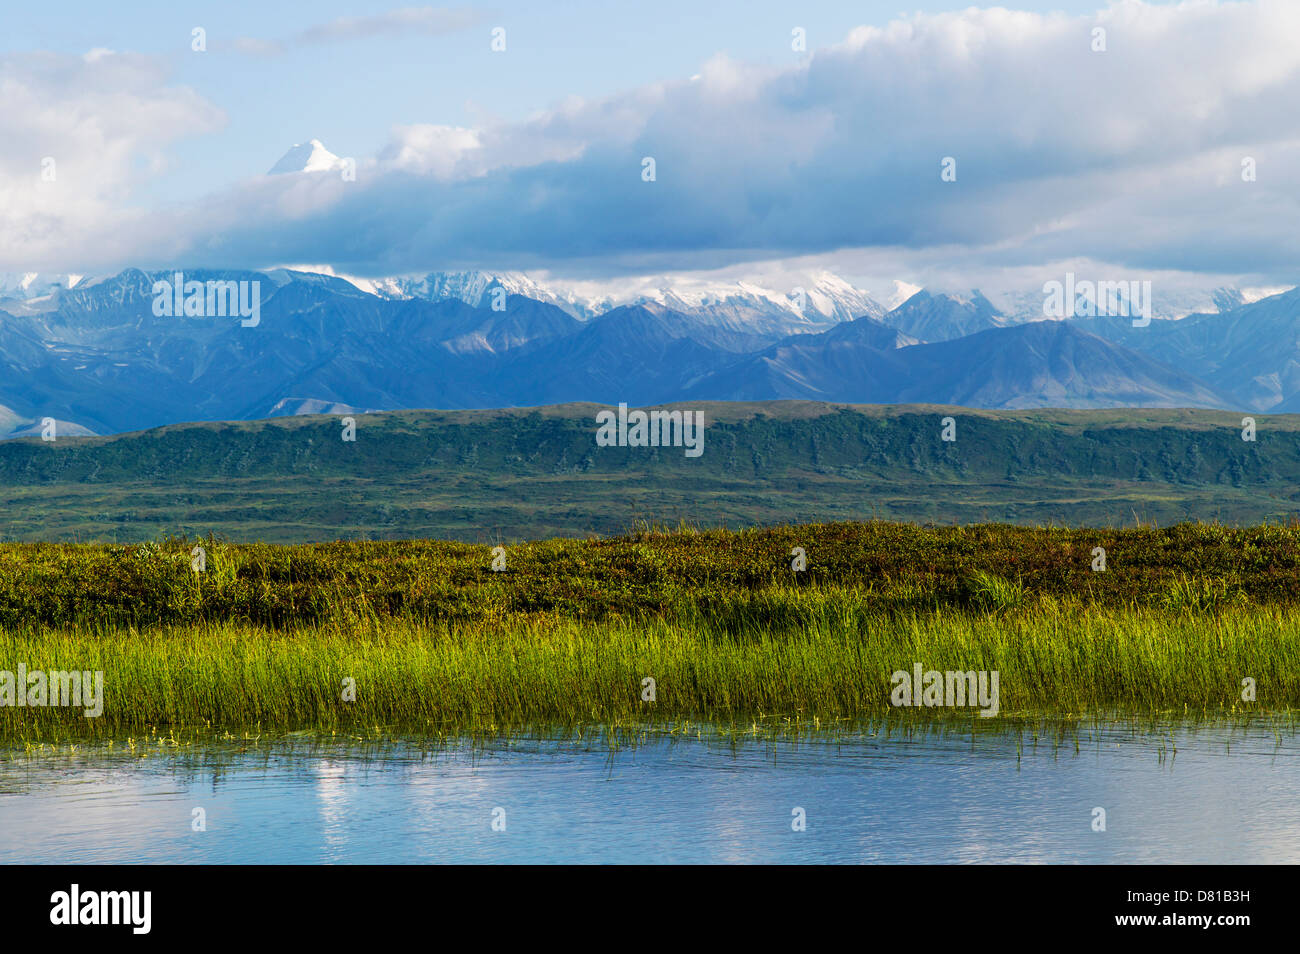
531, 158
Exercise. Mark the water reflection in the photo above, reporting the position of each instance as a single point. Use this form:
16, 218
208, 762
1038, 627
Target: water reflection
1180, 793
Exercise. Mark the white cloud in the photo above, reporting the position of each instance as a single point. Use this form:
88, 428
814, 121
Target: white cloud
76, 133
443, 152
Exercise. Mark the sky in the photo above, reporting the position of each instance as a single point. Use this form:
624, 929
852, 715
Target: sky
1170, 152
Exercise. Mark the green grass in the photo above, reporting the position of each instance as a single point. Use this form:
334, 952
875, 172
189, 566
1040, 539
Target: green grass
444, 680
437, 642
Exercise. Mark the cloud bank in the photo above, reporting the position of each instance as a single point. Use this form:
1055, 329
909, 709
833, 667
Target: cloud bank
1133, 155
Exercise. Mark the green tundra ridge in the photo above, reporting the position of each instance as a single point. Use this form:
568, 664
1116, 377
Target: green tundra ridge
510, 475
434, 640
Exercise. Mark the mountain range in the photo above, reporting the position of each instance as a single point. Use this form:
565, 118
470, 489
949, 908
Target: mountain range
92, 354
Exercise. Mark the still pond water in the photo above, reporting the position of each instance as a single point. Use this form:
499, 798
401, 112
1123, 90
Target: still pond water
1207, 793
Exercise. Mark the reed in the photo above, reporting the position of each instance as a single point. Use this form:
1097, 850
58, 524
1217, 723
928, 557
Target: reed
811, 654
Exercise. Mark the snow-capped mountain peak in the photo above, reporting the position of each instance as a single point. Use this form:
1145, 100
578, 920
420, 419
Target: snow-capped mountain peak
822, 300
26, 286
311, 156
819, 301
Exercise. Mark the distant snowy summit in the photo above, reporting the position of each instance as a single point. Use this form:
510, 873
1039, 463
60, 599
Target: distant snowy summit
25, 286
311, 156
816, 301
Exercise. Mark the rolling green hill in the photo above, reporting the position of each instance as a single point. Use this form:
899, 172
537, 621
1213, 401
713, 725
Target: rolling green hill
507, 475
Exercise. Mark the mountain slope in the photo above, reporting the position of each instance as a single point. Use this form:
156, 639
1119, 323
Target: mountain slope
928, 317
1039, 364
1252, 351
854, 362
631, 354
99, 357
